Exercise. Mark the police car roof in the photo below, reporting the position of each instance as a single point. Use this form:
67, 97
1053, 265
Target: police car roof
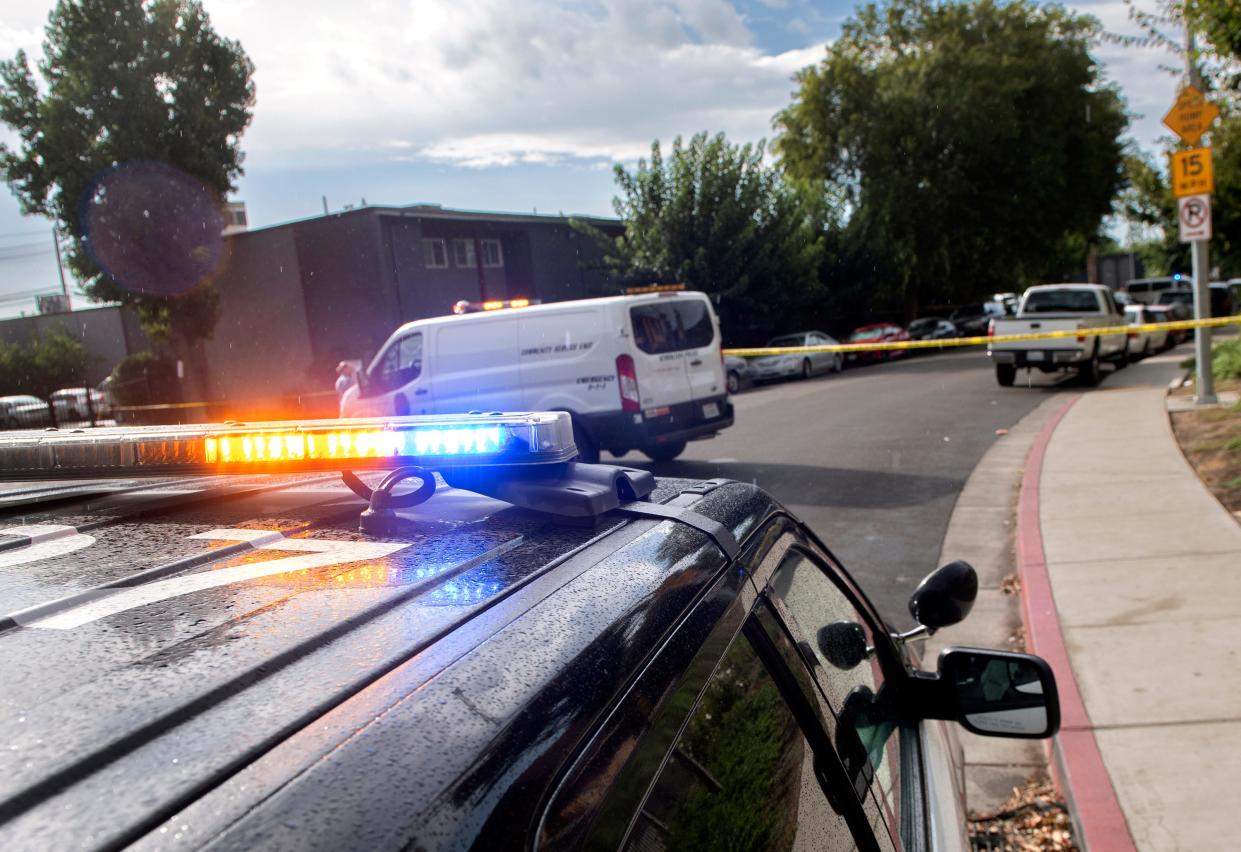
227, 660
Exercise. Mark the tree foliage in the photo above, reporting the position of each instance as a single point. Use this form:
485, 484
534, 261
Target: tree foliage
124, 82
715, 216
55, 360
975, 142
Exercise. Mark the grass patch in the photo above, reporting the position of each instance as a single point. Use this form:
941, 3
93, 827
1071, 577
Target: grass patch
1225, 359
1211, 440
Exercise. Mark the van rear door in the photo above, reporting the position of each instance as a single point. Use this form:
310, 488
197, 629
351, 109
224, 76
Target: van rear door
676, 350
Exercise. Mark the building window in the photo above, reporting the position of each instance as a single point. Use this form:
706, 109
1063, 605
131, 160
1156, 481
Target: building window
493, 255
463, 252
436, 254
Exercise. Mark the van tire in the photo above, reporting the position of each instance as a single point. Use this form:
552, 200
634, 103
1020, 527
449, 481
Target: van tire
587, 452
665, 452
1005, 374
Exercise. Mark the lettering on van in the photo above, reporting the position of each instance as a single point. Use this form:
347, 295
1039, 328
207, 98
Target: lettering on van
595, 382
558, 348
672, 356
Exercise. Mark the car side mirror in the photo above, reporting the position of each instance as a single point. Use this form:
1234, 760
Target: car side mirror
945, 596
1000, 694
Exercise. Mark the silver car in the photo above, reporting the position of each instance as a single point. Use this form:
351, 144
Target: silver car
766, 368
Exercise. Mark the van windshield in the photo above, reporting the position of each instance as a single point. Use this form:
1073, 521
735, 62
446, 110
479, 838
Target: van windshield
1055, 301
671, 326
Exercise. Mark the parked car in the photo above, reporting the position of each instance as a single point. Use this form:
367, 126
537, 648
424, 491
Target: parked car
797, 365
1060, 307
635, 372
1143, 343
23, 411
882, 332
1170, 313
70, 404
1149, 291
972, 319
933, 328
736, 373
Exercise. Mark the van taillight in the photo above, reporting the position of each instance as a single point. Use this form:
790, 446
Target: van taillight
627, 381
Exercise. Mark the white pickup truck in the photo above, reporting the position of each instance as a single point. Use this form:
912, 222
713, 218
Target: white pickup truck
1060, 307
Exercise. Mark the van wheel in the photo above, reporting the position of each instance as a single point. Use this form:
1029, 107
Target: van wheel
1005, 374
733, 382
665, 452
587, 452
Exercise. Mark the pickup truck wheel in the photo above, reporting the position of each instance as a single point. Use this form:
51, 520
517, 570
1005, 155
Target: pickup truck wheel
1090, 372
1005, 374
1124, 359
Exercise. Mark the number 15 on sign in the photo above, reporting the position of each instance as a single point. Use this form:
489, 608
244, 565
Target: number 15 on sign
1192, 172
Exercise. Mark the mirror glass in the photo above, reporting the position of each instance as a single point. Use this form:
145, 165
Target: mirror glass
1000, 694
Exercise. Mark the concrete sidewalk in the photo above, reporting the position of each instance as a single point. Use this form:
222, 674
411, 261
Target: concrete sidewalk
1124, 547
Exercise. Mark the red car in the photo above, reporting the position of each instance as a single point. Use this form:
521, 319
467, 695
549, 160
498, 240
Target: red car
882, 332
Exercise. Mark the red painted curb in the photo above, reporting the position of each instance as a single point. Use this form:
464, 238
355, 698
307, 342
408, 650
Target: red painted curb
1081, 774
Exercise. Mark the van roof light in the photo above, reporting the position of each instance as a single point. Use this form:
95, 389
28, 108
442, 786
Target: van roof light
467, 307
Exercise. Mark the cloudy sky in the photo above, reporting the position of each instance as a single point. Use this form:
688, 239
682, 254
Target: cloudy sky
508, 105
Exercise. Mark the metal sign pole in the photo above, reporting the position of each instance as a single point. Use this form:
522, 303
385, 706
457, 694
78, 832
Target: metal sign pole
1205, 387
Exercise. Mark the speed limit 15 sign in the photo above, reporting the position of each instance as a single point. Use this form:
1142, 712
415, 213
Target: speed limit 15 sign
1192, 173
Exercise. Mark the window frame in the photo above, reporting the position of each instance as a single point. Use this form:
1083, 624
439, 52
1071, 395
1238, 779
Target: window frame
374, 387
471, 260
483, 244
428, 252
653, 710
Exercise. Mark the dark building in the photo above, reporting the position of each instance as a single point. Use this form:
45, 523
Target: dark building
109, 334
298, 298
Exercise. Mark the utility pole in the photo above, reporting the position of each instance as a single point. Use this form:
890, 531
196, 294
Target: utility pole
1205, 386
64, 288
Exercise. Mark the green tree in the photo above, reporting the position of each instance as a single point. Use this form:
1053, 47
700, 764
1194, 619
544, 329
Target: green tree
55, 360
714, 216
975, 142
132, 82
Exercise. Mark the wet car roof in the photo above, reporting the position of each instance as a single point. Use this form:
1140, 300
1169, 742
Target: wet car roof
198, 659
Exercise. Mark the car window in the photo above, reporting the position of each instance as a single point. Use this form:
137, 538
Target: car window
1056, 301
740, 775
788, 340
838, 635
401, 364
672, 326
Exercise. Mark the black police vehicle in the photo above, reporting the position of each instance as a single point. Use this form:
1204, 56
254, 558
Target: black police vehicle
208, 640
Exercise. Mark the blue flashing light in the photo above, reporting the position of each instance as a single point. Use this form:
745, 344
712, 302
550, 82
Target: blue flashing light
456, 440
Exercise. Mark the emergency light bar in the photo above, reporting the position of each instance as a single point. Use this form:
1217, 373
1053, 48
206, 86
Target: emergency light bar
467, 307
432, 442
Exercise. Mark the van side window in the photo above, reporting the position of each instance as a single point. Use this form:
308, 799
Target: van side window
401, 364
671, 326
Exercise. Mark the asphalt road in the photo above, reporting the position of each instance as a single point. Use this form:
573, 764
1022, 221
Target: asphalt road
872, 459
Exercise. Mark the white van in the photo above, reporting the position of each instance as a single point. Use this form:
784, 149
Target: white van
636, 372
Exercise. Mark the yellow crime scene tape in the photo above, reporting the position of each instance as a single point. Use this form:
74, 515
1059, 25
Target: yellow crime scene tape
1177, 325
753, 352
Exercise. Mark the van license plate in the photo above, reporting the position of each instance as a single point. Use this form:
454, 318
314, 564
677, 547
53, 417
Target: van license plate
1034, 355
710, 411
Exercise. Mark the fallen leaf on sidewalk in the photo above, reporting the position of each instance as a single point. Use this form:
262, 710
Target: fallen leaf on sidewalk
1033, 819
1011, 585
1001, 431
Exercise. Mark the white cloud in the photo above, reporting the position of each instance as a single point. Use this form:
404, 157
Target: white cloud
485, 81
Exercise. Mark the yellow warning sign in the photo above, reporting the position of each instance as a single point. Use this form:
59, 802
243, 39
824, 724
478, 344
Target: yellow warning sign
1192, 172
1191, 115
